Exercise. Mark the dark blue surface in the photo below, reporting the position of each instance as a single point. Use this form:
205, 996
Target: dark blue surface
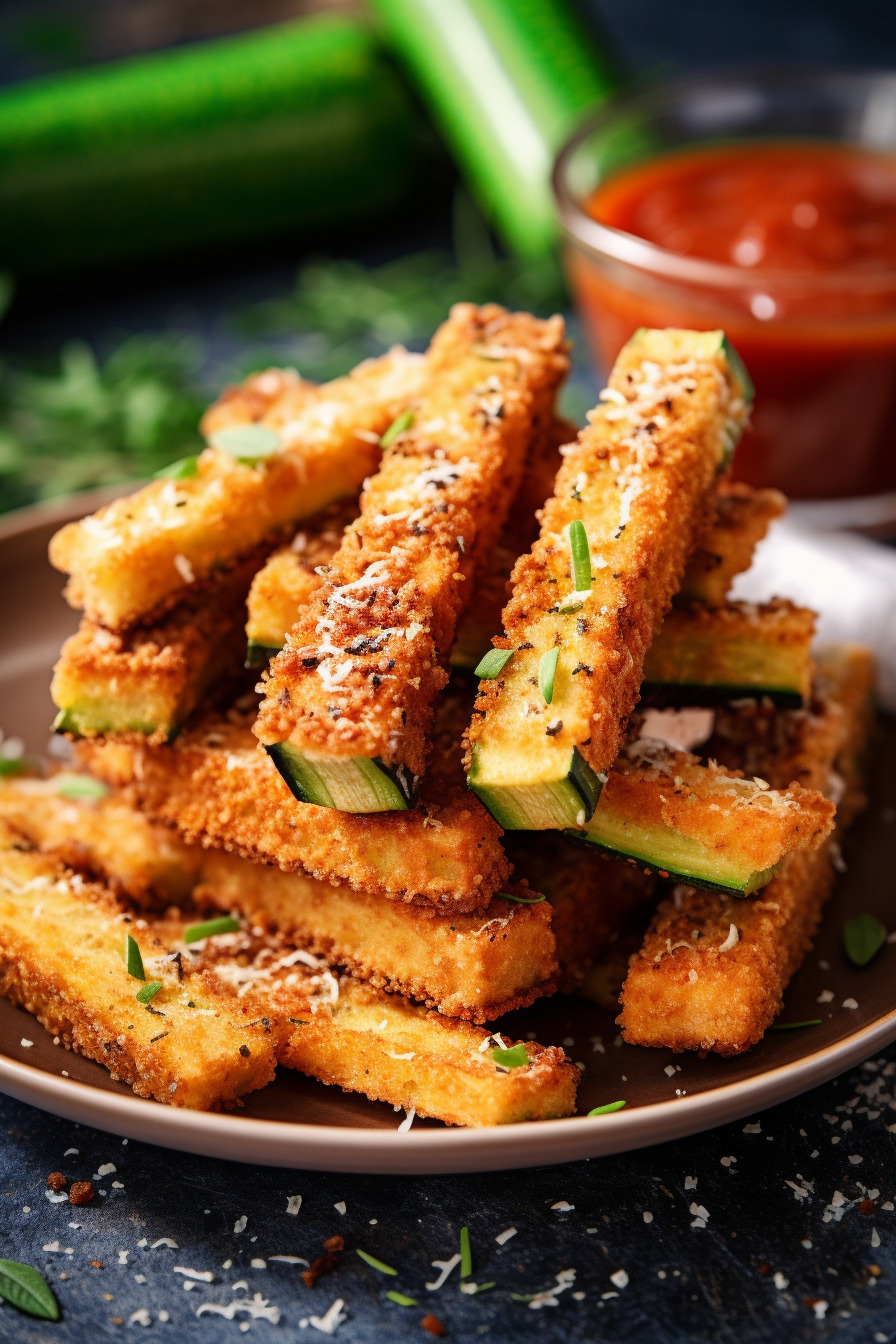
765, 1194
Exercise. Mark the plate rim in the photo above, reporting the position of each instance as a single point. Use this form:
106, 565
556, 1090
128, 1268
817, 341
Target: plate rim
362, 1151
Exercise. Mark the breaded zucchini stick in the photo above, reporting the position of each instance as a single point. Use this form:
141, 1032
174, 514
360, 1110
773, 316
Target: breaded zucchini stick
471, 966
288, 581
349, 701
666, 811
150, 678
217, 788
630, 503
305, 448
61, 944
705, 654
712, 972
741, 518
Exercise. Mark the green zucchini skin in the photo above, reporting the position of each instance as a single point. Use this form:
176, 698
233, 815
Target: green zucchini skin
299, 125
259, 655
79, 725
569, 799
359, 785
753, 880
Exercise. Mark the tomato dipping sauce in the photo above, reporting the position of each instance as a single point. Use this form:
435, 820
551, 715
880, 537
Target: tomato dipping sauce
795, 245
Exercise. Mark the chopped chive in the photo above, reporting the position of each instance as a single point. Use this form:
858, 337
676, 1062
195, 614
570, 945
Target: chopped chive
863, 937
79, 786
398, 426
606, 1110
133, 959
11, 765
149, 991
581, 556
466, 1256
194, 933
402, 1299
181, 470
522, 900
374, 1263
514, 1058
492, 664
481, 1287
247, 443
547, 670
793, 1026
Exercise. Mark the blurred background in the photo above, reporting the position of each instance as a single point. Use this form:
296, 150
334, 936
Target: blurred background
317, 191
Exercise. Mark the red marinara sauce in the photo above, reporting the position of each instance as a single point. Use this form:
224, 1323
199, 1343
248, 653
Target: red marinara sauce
806, 233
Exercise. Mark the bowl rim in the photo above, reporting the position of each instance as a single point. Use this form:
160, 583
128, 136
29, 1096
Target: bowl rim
607, 241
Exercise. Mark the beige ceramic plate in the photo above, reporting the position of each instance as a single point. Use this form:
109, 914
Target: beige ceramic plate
299, 1123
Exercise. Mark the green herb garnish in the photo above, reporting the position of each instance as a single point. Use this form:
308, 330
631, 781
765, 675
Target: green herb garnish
473, 1288
374, 1263
794, 1026
194, 933
492, 664
398, 426
401, 1299
79, 786
149, 991
547, 670
521, 900
10, 766
466, 1255
863, 937
581, 556
133, 959
514, 1058
181, 470
247, 443
24, 1288
608, 1108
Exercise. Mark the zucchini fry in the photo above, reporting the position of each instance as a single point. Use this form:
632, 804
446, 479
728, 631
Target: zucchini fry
136, 557
712, 972
218, 788
61, 943
741, 519
704, 654
150, 678
630, 502
289, 580
666, 811
349, 701
472, 966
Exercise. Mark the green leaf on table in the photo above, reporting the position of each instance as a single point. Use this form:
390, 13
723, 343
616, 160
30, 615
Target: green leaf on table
24, 1288
863, 937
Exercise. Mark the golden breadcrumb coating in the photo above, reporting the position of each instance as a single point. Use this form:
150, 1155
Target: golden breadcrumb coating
61, 943
712, 971
149, 679
366, 658
741, 518
219, 789
472, 966
641, 479
135, 557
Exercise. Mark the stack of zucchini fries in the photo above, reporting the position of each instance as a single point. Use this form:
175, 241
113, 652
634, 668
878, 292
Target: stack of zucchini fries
347, 859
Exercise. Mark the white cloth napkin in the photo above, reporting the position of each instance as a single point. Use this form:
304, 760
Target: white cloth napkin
849, 580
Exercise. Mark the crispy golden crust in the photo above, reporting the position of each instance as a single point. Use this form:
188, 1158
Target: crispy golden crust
150, 678
219, 789
641, 479
721, 991
738, 819
134, 558
741, 519
472, 966
738, 644
366, 658
60, 957
285, 585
